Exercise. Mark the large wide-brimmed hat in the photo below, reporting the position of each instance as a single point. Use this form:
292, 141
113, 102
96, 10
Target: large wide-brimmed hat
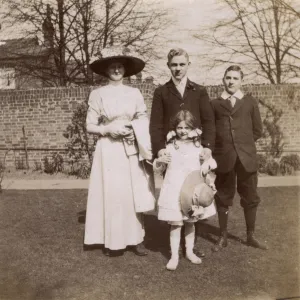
194, 191
132, 64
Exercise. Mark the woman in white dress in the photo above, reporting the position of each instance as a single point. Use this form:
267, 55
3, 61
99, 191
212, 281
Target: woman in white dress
117, 177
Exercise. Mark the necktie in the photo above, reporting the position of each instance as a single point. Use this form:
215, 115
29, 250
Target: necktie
180, 88
232, 100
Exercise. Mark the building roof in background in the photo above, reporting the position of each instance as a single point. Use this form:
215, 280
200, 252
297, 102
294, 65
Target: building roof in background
21, 48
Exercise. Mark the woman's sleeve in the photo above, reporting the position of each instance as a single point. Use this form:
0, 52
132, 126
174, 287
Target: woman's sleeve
93, 113
141, 109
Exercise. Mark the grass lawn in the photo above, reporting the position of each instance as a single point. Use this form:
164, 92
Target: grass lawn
42, 255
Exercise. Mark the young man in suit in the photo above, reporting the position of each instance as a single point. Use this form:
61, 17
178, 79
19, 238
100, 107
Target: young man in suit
238, 126
177, 94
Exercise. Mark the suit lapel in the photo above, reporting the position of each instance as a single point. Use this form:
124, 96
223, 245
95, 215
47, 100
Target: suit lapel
188, 89
225, 104
172, 88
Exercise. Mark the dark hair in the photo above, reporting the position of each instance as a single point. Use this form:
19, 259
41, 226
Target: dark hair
189, 119
118, 60
234, 68
183, 115
177, 52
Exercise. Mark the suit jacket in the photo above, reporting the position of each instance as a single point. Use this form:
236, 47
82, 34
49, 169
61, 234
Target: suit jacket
167, 102
237, 129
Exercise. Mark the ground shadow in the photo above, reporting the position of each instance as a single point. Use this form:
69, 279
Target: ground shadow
81, 217
211, 233
157, 235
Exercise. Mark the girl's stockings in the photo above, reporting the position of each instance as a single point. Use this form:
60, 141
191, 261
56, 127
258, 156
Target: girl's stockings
174, 241
189, 243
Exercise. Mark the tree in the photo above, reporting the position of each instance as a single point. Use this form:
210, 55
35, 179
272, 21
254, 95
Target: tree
73, 32
290, 7
262, 34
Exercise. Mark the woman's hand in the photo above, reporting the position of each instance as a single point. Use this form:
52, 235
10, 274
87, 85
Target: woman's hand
130, 135
117, 129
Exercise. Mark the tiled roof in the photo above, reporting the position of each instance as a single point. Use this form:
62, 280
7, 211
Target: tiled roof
21, 48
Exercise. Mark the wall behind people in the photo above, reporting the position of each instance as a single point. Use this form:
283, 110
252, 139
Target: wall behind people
45, 114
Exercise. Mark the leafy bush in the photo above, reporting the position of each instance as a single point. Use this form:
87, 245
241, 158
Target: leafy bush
53, 165
47, 165
262, 162
272, 133
20, 163
80, 145
57, 162
80, 170
289, 164
272, 167
37, 166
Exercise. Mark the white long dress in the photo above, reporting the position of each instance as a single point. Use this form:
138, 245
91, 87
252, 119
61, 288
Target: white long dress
110, 217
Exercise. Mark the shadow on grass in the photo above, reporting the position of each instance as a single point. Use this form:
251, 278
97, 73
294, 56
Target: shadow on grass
42, 257
156, 238
211, 233
157, 235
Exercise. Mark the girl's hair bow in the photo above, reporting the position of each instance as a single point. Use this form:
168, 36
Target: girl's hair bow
171, 135
195, 133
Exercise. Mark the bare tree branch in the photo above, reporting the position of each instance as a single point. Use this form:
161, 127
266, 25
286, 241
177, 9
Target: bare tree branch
73, 32
264, 34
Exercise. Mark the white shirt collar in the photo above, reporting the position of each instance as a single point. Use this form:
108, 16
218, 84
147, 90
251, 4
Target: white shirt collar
238, 94
182, 82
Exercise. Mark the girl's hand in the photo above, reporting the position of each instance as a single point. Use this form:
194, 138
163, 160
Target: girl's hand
162, 152
205, 154
166, 158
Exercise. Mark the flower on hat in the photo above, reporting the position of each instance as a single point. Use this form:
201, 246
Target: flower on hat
132, 62
113, 51
118, 50
196, 210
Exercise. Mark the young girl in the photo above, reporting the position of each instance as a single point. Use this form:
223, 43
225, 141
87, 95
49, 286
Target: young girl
184, 152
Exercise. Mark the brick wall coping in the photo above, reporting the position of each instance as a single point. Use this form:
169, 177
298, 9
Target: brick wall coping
86, 87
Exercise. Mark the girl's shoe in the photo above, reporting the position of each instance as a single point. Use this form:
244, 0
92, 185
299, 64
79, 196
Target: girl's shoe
172, 264
193, 258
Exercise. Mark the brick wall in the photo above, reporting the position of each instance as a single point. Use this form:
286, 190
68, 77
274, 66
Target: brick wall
45, 114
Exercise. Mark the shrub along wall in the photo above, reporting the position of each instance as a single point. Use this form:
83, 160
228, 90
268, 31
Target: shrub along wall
45, 114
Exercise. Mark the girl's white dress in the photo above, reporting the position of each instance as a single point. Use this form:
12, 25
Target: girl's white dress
110, 217
184, 160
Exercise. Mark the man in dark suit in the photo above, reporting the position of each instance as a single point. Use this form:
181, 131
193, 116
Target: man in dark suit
179, 93
238, 126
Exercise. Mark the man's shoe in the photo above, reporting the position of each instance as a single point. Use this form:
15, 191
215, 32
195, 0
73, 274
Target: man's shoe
253, 242
221, 243
140, 250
